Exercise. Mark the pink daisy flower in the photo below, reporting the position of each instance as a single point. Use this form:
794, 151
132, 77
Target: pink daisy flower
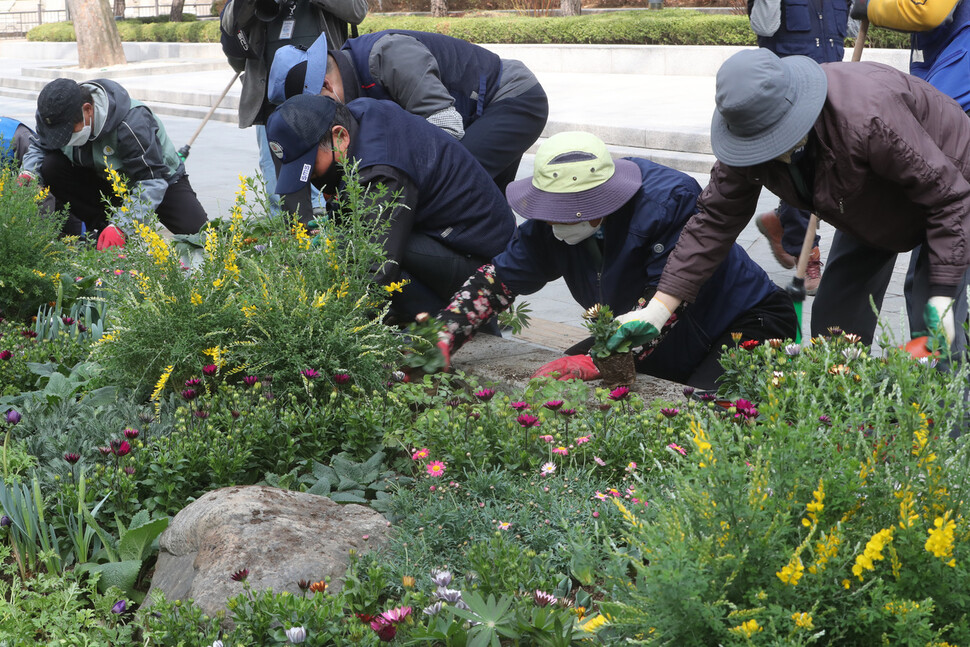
547, 438
547, 468
599, 461
562, 451
677, 448
435, 469
599, 496
504, 525
420, 454
582, 440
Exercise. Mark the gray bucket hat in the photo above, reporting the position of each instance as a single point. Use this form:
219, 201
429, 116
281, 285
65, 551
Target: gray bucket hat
765, 105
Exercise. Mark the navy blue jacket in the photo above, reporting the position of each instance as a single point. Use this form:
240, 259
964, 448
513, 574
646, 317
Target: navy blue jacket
636, 241
470, 73
945, 60
813, 28
456, 201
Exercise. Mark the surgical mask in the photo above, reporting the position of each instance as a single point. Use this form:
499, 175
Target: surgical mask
81, 137
329, 182
573, 234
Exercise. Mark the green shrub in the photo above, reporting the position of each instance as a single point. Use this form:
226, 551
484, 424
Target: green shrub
830, 514
666, 27
29, 246
274, 302
156, 29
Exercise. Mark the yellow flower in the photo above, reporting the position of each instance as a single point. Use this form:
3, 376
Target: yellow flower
825, 549
940, 541
815, 506
846, 584
872, 552
397, 286
802, 620
792, 571
593, 623
158, 249
703, 447
196, 299
747, 628
160, 386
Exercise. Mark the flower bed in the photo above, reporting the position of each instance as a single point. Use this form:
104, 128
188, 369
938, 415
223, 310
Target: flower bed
816, 499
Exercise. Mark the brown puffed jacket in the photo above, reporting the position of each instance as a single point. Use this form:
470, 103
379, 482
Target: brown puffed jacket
892, 169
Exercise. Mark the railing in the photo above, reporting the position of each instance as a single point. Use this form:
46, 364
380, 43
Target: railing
14, 24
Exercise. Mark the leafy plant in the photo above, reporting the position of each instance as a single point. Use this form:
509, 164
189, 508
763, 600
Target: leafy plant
33, 538
601, 325
125, 557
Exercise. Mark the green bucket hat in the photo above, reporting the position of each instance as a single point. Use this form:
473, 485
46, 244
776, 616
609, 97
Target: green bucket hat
575, 179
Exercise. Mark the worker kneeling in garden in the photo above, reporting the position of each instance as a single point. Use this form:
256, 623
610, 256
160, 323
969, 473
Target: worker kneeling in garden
607, 227
495, 107
879, 154
450, 216
84, 130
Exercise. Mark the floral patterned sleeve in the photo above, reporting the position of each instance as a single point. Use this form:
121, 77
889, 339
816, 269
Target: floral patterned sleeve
482, 296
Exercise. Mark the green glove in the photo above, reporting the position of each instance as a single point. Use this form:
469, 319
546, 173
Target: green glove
636, 332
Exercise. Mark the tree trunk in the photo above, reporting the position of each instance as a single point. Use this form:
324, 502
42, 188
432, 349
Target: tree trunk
439, 8
119, 8
98, 40
176, 13
571, 7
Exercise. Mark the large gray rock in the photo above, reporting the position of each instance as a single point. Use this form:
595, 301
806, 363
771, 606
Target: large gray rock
279, 535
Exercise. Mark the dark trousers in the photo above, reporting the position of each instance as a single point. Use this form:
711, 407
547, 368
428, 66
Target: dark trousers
85, 190
505, 131
857, 272
772, 318
435, 272
794, 224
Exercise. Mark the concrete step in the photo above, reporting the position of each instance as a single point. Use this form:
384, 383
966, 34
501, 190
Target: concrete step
156, 67
228, 115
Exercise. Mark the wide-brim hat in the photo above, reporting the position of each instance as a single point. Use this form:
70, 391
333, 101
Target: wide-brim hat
312, 61
574, 179
765, 105
294, 131
58, 110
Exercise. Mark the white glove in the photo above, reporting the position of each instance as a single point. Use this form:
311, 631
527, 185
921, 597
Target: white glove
655, 313
939, 314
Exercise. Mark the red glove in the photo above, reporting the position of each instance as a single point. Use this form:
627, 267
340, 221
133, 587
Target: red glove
110, 236
24, 179
571, 367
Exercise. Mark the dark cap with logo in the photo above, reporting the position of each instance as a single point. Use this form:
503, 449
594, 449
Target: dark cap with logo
58, 110
294, 131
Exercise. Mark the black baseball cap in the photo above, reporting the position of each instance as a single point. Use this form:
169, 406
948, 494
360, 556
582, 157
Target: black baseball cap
294, 131
58, 110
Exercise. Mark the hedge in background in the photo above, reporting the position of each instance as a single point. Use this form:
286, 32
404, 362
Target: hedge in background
666, 27
196, 31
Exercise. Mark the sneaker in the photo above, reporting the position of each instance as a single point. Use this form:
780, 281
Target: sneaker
769, 225
813, 272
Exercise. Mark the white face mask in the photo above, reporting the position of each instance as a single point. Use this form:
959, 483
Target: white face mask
573, 234
81, 137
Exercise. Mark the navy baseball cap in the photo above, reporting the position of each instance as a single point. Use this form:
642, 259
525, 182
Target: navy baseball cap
294, 131
313, 62
58, 109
